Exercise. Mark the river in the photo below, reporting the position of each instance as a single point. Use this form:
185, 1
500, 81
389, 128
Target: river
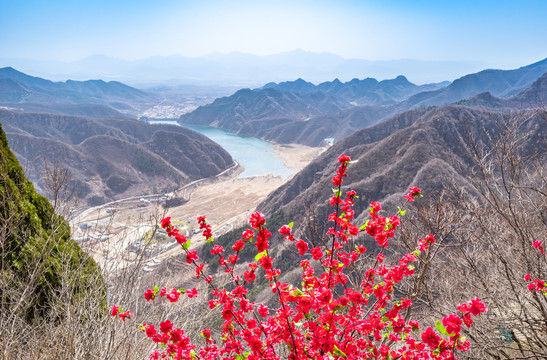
255, 155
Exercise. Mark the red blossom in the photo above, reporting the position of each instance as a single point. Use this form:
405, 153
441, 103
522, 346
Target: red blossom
181, 239
302, 246
285, 230
538, 245
149, 295
257, 220
192, 256
166, 326
173, 295
125, 315
115, 310
452, 323
325, 317
344, 159
263, 310
166, 222
431, 339
476, 306
238, 246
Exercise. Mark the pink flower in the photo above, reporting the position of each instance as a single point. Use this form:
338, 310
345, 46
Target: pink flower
125, 315
538, 245
149, 295
344, 159
192, 256
150, 330
430, 338
285, 230
257, 220
263, 310
166, 222
115, 310
217, 249
476, 306
173, 295
238, 246
317, 253
302, 246
453, 324
181, 239
192, 293
166, 326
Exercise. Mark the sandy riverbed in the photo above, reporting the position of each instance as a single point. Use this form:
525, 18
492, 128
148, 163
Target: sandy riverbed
232, 200
227, 203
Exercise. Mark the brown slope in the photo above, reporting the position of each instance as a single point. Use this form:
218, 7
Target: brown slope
114, 158
417, 148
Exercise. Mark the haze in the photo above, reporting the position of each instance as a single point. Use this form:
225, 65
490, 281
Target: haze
486, 34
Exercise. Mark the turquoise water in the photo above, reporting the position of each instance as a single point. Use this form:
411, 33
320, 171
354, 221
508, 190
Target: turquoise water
255, 155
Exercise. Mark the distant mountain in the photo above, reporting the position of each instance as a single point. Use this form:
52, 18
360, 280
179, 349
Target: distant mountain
423, 147
113, 158
499, 83
299, 111
91, 97
262, 109
242, 69
535, 96
368, 91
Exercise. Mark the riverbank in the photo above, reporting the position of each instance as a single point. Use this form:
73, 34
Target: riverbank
227, 201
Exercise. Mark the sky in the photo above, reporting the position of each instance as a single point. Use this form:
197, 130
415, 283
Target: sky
497, 33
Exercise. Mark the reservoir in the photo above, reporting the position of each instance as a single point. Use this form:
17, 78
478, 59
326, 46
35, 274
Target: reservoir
255, 155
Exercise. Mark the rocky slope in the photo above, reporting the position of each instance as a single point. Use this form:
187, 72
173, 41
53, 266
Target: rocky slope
425, 148
301, 112
113, 158
90, 98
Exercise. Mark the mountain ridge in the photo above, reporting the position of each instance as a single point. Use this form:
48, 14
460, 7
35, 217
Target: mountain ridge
113, 158
20, 90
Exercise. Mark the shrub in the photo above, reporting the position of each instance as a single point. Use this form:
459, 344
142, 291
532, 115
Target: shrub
345, 311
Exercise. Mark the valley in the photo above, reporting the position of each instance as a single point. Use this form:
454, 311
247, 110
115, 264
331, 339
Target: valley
274, 149
114, 232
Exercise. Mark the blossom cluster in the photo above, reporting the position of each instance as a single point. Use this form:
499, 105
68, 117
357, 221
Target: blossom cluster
536, 284
328, 316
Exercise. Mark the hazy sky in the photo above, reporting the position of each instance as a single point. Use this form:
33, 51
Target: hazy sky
500, 33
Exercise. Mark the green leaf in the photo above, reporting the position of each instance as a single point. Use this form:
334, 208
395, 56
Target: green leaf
156, 289
182, 290
261, 255
338, 352
210, 240
439, 325
296, 292
186, 245
364, 226
291, 224
401, 212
